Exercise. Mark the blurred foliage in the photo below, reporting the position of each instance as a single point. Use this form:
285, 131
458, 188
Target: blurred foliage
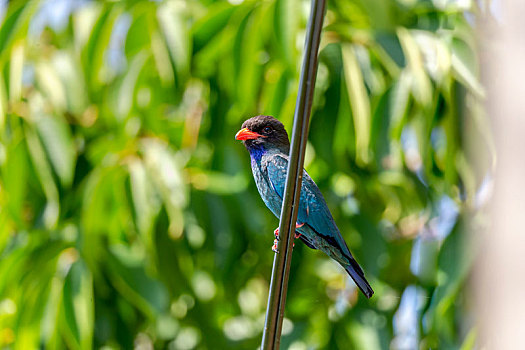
128, 214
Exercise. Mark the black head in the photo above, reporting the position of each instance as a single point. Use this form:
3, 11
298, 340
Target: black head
264, 131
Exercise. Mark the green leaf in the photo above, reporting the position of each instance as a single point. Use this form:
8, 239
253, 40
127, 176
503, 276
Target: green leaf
206, 28
67, 67
28, 287
247, 51
127, 274
173, 25
358, 97
399, 104
145, 200
3, 105
454, 262
139, 33
165, 168
421, 86
15, 175
379, 133
126, 94
94, 51
219, 183
50, 84
15, 25
470, 340
43, 170
286, 24
59, 146
15, 72
465, 67
106, 195
78, 307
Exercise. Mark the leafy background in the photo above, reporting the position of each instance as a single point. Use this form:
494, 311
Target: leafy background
128, 215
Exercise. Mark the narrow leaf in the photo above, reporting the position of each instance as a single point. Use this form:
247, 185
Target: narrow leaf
59, 146
359, 103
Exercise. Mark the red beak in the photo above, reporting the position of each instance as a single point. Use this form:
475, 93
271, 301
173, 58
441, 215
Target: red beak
245, 134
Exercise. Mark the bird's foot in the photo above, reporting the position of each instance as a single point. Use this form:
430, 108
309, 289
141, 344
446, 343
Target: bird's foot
276, 233
274, 247
297, 235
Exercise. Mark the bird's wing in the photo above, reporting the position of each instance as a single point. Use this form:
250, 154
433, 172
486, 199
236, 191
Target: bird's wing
312, 208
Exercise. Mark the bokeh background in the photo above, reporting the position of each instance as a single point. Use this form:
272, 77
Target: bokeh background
128, 213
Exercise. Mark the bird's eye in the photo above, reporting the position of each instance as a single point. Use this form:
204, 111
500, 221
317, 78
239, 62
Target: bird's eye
267, 130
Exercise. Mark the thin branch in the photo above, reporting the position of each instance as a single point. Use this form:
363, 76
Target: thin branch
281, 263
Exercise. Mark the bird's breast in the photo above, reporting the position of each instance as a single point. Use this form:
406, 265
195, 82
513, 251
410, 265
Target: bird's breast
266, 190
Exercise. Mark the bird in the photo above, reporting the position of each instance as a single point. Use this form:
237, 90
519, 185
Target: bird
267, 141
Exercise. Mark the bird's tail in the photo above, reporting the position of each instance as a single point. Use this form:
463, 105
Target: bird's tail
357, 274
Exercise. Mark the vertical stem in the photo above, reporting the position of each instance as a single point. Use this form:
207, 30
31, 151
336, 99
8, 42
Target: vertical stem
281, 263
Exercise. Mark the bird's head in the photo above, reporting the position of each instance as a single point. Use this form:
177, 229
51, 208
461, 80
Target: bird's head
262, 133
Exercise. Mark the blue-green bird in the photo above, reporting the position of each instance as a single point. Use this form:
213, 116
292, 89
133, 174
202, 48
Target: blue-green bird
268, 144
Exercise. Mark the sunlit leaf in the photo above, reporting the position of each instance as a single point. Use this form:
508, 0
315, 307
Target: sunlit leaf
165, 168
3, 104
93, 52
144, 200
73, 83
59, 146
359, 102
128, 87
421, 87
173, 24
45, 176
15, 72
464, 65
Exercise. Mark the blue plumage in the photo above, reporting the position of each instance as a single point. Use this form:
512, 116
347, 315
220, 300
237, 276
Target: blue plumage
268, 144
